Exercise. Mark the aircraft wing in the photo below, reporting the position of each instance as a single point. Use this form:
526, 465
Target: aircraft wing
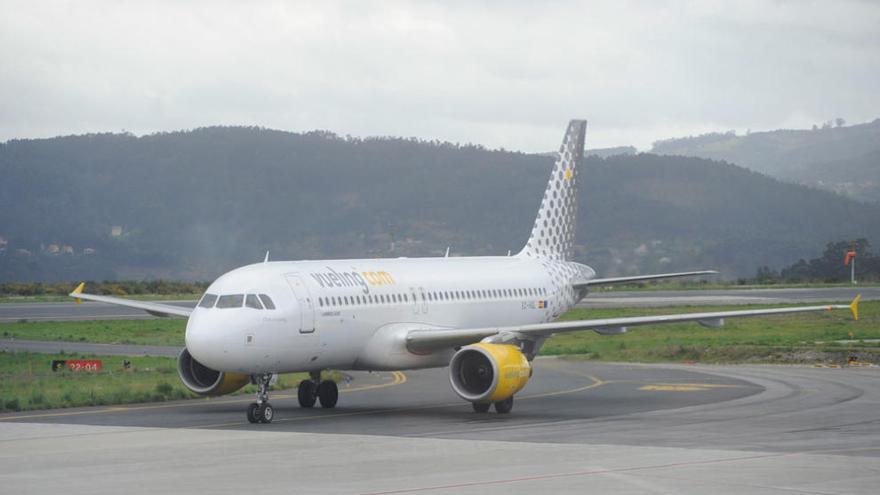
155, 309
638, 278
430, 340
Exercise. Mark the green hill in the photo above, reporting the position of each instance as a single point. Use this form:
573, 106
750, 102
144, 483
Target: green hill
842, 159
190, 205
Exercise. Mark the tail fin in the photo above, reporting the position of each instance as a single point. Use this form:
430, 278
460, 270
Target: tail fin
553, 234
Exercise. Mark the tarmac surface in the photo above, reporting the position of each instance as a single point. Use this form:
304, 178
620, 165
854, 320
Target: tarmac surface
69, 311
57, 347
577, 427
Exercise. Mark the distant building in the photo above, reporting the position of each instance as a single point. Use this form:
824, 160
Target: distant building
66, 249
53, 249
22, 252
89, 251
116, 231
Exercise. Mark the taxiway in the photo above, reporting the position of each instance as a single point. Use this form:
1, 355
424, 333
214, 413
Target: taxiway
577, 427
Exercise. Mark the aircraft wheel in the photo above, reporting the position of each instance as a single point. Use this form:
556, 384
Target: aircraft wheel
328, 392
252, 412
267, 413
504, 406
306, 393
481, 407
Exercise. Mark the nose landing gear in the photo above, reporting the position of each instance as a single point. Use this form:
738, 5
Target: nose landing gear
313, 389
261, 411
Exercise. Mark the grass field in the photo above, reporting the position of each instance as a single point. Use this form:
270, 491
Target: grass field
800, 338
27, 382
144, 332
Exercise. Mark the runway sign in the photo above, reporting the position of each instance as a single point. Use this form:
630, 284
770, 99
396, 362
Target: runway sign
77, 364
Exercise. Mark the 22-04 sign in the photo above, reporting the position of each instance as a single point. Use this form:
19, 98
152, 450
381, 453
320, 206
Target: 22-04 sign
77, 365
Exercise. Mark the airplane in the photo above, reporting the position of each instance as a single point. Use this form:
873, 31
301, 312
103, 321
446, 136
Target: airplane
485, 317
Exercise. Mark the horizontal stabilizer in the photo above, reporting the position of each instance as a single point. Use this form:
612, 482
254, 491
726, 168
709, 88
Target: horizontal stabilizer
639, 278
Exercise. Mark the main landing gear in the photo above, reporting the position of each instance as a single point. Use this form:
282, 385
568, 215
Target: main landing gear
261, 411
501, 407
309, 392
314, 389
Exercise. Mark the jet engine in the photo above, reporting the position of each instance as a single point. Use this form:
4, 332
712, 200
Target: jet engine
205, 381
486, 373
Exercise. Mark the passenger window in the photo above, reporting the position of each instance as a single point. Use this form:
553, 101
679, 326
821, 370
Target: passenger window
230, 301
267, 301
251, 301
208, 301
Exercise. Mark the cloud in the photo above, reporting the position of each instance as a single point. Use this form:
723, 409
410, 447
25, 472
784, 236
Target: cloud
501, 74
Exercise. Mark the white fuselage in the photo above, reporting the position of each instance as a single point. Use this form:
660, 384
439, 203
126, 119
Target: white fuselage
354, 314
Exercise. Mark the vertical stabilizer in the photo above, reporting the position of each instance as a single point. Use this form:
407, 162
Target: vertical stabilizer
553, 234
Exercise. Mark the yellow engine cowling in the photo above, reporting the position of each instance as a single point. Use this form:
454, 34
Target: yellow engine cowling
488, 372
205, 381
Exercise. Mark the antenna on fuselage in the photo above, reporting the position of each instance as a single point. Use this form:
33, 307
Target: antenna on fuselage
508, 252
447, 252
266, 259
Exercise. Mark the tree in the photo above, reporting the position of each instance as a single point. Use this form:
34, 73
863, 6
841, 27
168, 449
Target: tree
766, 275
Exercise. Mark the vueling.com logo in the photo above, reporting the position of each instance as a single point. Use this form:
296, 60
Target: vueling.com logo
332, 278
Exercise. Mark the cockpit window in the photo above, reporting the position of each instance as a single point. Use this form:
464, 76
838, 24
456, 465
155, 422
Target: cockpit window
208, 301
267, 301
251, 301
230, 301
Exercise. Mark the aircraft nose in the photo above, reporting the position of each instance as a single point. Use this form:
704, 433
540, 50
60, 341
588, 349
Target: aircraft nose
203, 340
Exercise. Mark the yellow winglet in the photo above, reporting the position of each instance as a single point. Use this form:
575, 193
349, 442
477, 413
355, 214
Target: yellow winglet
79, 289
854, 307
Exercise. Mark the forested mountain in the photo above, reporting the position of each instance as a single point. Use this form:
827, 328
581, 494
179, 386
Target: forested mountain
190, 205
840, 158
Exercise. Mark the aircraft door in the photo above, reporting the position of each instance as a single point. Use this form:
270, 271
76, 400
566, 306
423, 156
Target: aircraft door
306, 305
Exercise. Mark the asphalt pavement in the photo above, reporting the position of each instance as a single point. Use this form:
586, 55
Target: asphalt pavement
577, 427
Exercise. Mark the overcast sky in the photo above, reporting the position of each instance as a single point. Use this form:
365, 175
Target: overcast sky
502, 74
